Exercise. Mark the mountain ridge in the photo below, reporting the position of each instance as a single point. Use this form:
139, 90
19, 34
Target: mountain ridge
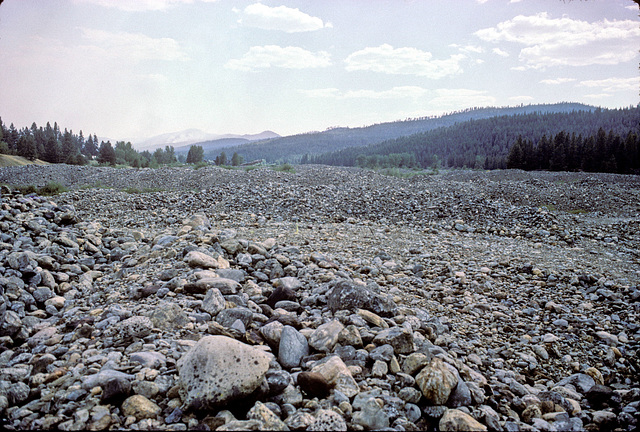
192, 136
292, 148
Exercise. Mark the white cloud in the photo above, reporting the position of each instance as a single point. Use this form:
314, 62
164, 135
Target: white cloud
500, 52
401, 92
614, 84
566, 41
468, 48
557, 81
402, 61
262, 57
283, 18
133, 46
140, 5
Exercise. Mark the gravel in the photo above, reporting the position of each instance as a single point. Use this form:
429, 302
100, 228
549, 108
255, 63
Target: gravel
503, 300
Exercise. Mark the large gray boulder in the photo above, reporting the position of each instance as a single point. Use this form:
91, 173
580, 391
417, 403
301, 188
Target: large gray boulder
219, 369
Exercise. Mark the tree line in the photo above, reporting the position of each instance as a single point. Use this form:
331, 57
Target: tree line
485, 144
602, 152
53, 145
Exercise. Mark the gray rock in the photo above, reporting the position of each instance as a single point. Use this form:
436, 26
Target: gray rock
213, 302
370, 414
327, 420
228, 316
292, 348
325, 337
398, 337
218, 370
168, 316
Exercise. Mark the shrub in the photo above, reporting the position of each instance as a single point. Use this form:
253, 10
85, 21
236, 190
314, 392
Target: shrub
52, 188
200, 164
286, 167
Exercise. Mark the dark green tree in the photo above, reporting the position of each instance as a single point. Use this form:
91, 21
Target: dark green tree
221, 159
27, 146
107, 154
236, 159
195, 155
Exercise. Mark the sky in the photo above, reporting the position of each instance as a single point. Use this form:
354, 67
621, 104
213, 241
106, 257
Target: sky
129, 70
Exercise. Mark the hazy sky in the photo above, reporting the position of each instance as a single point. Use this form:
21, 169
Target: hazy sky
128, 69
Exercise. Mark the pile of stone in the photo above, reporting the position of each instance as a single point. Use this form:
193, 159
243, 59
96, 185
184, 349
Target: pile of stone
199, 327
182, 310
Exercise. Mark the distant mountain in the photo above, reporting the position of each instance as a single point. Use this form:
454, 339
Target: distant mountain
193, 136
213, 145
293, 148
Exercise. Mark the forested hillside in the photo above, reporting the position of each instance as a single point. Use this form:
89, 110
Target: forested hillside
294, 148
486, 143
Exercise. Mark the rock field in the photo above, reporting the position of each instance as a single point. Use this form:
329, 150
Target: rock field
326, 299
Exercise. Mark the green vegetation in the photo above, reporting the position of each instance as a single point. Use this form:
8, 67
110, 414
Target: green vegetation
577, 211
195, 155
50, 189
313, 144
601, 152
394, 160
200, 164
485, 144
51, 144
286, 167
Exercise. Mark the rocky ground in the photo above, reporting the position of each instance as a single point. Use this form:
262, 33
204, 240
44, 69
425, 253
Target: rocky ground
324, 299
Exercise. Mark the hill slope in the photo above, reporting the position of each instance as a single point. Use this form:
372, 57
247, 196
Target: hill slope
8, 160
485, 143
292, 148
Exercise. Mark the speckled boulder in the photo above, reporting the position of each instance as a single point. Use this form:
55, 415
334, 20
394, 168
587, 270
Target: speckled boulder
328, 420
136, 326
219, 369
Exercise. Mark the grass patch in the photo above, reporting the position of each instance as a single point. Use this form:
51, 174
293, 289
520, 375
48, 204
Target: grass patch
286, 167
200, 164
132, 190
249, 167
577, 211
25, 189
549, 207
52, 188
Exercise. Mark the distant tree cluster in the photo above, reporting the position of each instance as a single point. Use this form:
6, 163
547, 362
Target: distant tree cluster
602, 152
394, 160
236, 159
47, 143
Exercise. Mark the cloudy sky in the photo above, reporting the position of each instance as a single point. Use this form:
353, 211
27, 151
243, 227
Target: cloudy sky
129, 69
